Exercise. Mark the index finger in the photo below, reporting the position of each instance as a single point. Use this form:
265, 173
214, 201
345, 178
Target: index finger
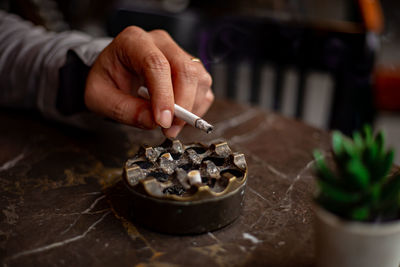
139, 53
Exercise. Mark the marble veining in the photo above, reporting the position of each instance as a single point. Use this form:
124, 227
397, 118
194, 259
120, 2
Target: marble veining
56, 244
63, 194
86, 211
223, 126
252, 238
12, 162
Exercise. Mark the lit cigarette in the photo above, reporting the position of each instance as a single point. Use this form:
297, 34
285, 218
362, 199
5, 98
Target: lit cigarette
182, 113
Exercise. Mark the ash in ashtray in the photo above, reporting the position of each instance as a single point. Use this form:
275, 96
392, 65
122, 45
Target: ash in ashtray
174, 169
174, 190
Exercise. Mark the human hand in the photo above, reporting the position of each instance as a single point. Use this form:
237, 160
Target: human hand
136, 57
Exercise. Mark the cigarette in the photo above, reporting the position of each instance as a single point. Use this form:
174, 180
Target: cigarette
182, 113
194, 177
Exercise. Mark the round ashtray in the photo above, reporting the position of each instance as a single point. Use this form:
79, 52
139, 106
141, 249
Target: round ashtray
186, 189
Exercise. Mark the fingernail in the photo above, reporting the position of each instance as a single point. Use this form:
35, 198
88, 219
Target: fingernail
174, 131
165, 118
145, 119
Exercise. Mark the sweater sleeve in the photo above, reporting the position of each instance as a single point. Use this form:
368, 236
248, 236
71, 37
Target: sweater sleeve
32, 61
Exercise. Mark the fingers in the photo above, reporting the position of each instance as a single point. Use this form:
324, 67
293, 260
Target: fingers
184, 77
184, 73
175, 129
190, 79
202, 108
205, 96
103, 98
137, 51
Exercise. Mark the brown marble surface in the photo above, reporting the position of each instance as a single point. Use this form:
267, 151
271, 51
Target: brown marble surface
60, 203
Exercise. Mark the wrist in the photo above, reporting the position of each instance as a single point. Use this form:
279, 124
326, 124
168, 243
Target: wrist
71, 89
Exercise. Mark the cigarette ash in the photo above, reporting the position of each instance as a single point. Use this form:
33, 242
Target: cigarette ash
176, 169
203, 125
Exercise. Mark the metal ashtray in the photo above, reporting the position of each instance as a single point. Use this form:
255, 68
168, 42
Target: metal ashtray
186, 189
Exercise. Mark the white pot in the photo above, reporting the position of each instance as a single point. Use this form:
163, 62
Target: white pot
352, 244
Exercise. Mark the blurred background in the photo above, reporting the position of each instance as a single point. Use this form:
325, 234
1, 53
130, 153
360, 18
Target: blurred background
333, 64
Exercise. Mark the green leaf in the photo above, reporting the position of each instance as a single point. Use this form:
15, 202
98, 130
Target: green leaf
389, 205
375, 192
380, 143
323, 171
391, 190
371, 155
358, 140
386, 165
337, 194
382, 165
368, 134
318, 155
360, 214
337, 143
350, 149
358, 172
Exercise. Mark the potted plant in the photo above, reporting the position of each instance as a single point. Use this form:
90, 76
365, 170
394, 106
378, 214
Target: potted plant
357, 203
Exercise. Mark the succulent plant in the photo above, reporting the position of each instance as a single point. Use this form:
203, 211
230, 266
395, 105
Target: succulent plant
359, 185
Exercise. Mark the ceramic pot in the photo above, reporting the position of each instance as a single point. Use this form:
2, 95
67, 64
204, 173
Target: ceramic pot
352, 244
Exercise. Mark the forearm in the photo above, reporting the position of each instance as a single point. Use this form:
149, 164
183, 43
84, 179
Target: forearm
30, 63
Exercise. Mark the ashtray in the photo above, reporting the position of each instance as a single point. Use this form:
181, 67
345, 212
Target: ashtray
185, 189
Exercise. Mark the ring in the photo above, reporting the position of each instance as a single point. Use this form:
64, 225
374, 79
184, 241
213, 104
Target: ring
195, 59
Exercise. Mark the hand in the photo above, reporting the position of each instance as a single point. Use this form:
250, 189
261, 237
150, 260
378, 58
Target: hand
136, 57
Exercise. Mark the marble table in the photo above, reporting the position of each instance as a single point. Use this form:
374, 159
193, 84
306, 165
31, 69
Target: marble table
62, 203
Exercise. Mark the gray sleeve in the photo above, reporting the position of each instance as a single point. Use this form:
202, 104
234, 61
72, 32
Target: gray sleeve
30, 62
